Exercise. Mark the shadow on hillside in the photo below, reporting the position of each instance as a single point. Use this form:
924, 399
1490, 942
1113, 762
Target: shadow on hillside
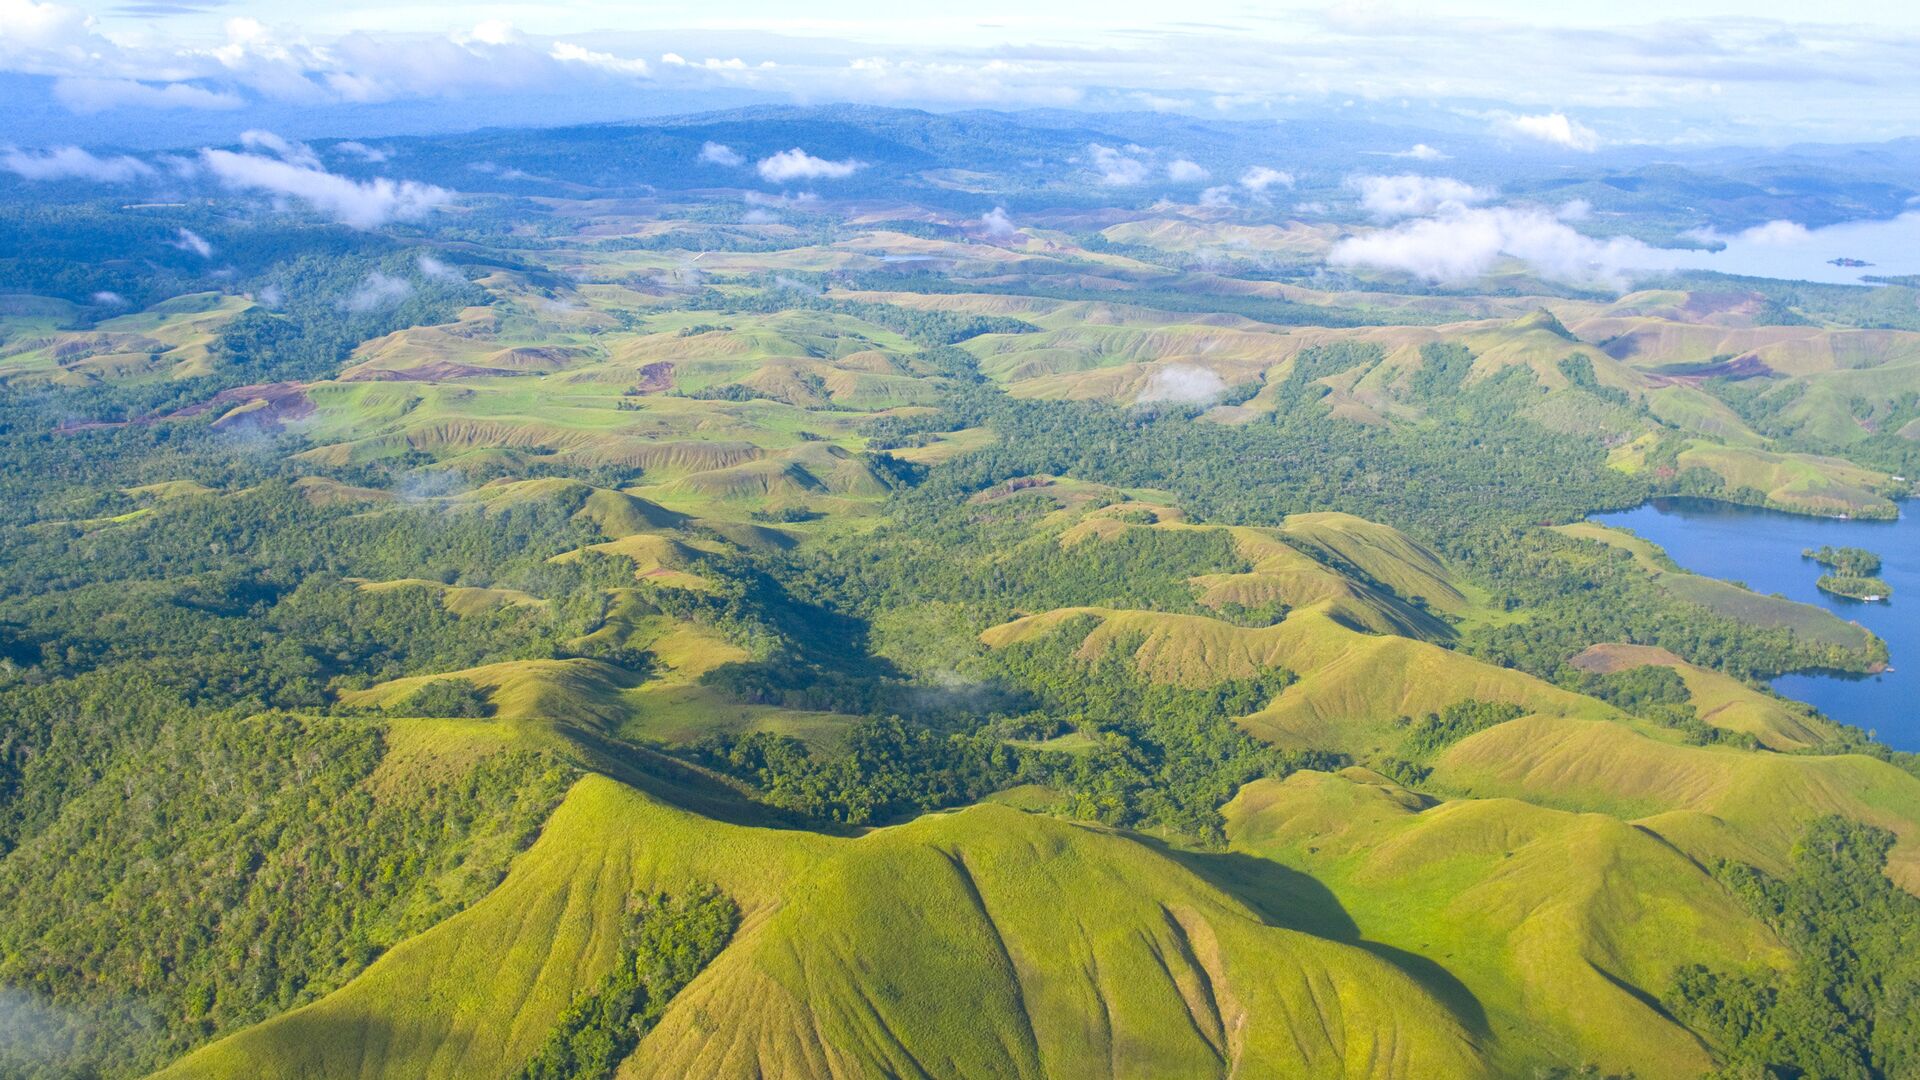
685, 785
1285, 897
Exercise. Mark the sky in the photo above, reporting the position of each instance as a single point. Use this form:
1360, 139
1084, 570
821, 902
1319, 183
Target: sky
1579, 76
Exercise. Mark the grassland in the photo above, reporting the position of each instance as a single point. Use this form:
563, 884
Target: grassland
824, 978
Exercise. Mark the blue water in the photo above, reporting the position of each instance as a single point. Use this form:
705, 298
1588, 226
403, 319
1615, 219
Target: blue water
1761, 549
1784, 250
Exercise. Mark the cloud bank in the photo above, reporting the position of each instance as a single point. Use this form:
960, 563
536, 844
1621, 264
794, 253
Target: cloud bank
73, 163
359, 204
1462, 243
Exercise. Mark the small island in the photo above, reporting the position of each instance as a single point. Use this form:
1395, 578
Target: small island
1852, 575
1848, 262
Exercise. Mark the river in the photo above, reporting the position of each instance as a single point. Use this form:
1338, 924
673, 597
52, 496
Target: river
1761, 549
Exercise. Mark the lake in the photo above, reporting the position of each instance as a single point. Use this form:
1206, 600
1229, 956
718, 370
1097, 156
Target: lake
1761, 549
1785, 250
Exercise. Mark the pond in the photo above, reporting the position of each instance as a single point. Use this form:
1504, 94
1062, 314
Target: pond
1761, 549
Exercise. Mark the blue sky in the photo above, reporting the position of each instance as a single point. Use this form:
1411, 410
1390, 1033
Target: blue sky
1575, 76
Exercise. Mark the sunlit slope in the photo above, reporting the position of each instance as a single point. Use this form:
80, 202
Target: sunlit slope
172, 339
1718, 699
476, 994
1365, 575
1563, 927
1806, 483
1709, 801
959, 945
1352, 686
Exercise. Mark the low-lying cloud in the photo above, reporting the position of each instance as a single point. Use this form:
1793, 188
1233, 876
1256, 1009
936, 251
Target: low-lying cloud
375, 292
1117, 168
714, 153
1408, 195
188, 240
372, 155
295, 153
73, 163
1556, 128
998, 225
1183, 383
1259, 178
359, 204
87, 96
1185, 171
436, 270
796, 164
1463, 243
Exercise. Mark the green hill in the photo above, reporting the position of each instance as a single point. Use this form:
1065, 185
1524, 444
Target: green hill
936, 948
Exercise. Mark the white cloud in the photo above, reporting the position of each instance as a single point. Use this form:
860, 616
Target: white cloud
1182, 383
713, 153
361, 204
1556, 128
780, 202
1463, 243
1217, 197
73, 163
1183, 171
998, 225
439, 271
295, 153
377, 291
1259, 178
759, 217
1420, 152
1778, 233
373, 155
797, 164
1574, 210
105, 298
1116, 169
188, 240
569, 53
87, 95
1408, 195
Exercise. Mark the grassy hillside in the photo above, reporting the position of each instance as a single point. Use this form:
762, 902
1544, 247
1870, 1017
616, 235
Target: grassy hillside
1562, 927
824, 979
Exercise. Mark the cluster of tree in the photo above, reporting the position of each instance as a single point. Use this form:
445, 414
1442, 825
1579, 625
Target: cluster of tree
667, 941
1850, 1006
230, 868
1856, 588
1435, 732
1853, 561
1146, 754
1655, 693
